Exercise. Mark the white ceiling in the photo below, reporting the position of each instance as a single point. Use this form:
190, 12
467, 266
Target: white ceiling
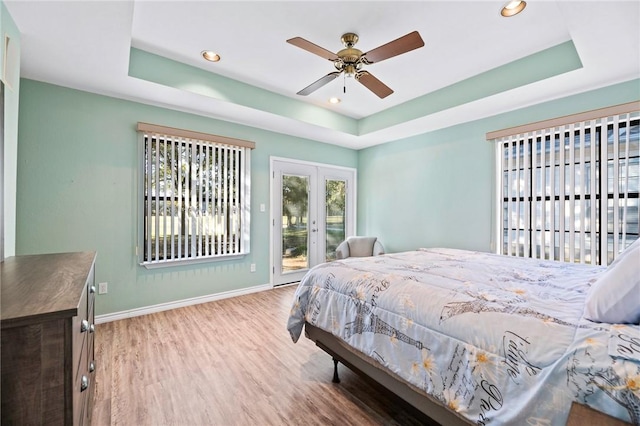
86, 45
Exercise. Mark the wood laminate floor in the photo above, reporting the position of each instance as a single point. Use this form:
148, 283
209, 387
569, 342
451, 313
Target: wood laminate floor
229, 362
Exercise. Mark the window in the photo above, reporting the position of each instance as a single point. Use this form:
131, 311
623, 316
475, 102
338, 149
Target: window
195, 196
569, 192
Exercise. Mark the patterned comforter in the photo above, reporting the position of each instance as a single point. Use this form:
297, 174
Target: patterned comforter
497, 339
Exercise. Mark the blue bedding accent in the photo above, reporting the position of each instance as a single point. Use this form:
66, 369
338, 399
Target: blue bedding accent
497, 339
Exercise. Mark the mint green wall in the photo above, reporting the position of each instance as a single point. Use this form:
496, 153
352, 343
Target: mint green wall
10, 143
437, 189
77, 185
429, 190
547, 63
541, 65
167, 72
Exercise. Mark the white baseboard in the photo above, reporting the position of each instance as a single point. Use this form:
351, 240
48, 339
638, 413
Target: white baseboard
100, 319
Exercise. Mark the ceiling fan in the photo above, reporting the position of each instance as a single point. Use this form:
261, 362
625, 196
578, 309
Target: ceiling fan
351, 60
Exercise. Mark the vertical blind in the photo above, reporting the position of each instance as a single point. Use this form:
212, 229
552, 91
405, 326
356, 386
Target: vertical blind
195, 198
570, 192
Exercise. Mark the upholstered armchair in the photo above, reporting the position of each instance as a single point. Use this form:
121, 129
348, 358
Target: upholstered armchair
359, 247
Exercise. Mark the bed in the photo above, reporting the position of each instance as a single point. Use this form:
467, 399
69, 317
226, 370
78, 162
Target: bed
478, 338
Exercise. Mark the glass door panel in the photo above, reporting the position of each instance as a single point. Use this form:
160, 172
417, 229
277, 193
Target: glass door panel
313, 211
335, 216
295, 223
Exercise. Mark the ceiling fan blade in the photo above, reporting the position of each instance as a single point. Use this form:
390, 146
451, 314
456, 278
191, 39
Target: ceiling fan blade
319, 83
313, 48
373, 84
396, 47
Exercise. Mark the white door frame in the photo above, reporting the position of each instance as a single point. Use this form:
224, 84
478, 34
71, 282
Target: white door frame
324, 171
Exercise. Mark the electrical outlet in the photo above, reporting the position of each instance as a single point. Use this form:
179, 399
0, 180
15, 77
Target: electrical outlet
252, 268
102, 288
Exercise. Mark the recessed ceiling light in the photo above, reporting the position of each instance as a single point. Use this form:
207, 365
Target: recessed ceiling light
512, 8
210, 55
334, 100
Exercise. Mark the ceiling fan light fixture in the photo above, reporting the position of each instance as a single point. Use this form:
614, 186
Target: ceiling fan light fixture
350, 70
210, 55
512, 8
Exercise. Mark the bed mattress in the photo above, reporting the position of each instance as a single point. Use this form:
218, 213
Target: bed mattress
496, 339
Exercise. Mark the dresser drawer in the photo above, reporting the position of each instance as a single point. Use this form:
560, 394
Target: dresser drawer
80, 331
83, 384
81, 387
91, 367
91, 291
83, 349
86, 370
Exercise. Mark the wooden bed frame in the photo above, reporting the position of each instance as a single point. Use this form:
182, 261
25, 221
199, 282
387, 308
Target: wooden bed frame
370, 369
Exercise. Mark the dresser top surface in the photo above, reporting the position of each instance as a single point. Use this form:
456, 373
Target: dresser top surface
42, 285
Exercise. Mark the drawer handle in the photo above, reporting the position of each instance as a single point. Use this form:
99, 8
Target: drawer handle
92, 328
84, 326
92, 366
84, 383
92, 289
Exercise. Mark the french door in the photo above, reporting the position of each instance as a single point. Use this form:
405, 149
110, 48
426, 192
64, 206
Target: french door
313, 211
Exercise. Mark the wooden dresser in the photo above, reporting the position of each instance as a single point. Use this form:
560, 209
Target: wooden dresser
47, 333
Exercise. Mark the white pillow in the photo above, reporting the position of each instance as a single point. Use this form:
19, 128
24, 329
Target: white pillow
615, 297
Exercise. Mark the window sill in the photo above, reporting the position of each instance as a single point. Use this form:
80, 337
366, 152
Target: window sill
190, 261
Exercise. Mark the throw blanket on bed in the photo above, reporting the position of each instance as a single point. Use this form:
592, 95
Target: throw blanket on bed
497, 339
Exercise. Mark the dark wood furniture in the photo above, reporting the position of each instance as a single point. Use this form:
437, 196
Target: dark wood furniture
47, 334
